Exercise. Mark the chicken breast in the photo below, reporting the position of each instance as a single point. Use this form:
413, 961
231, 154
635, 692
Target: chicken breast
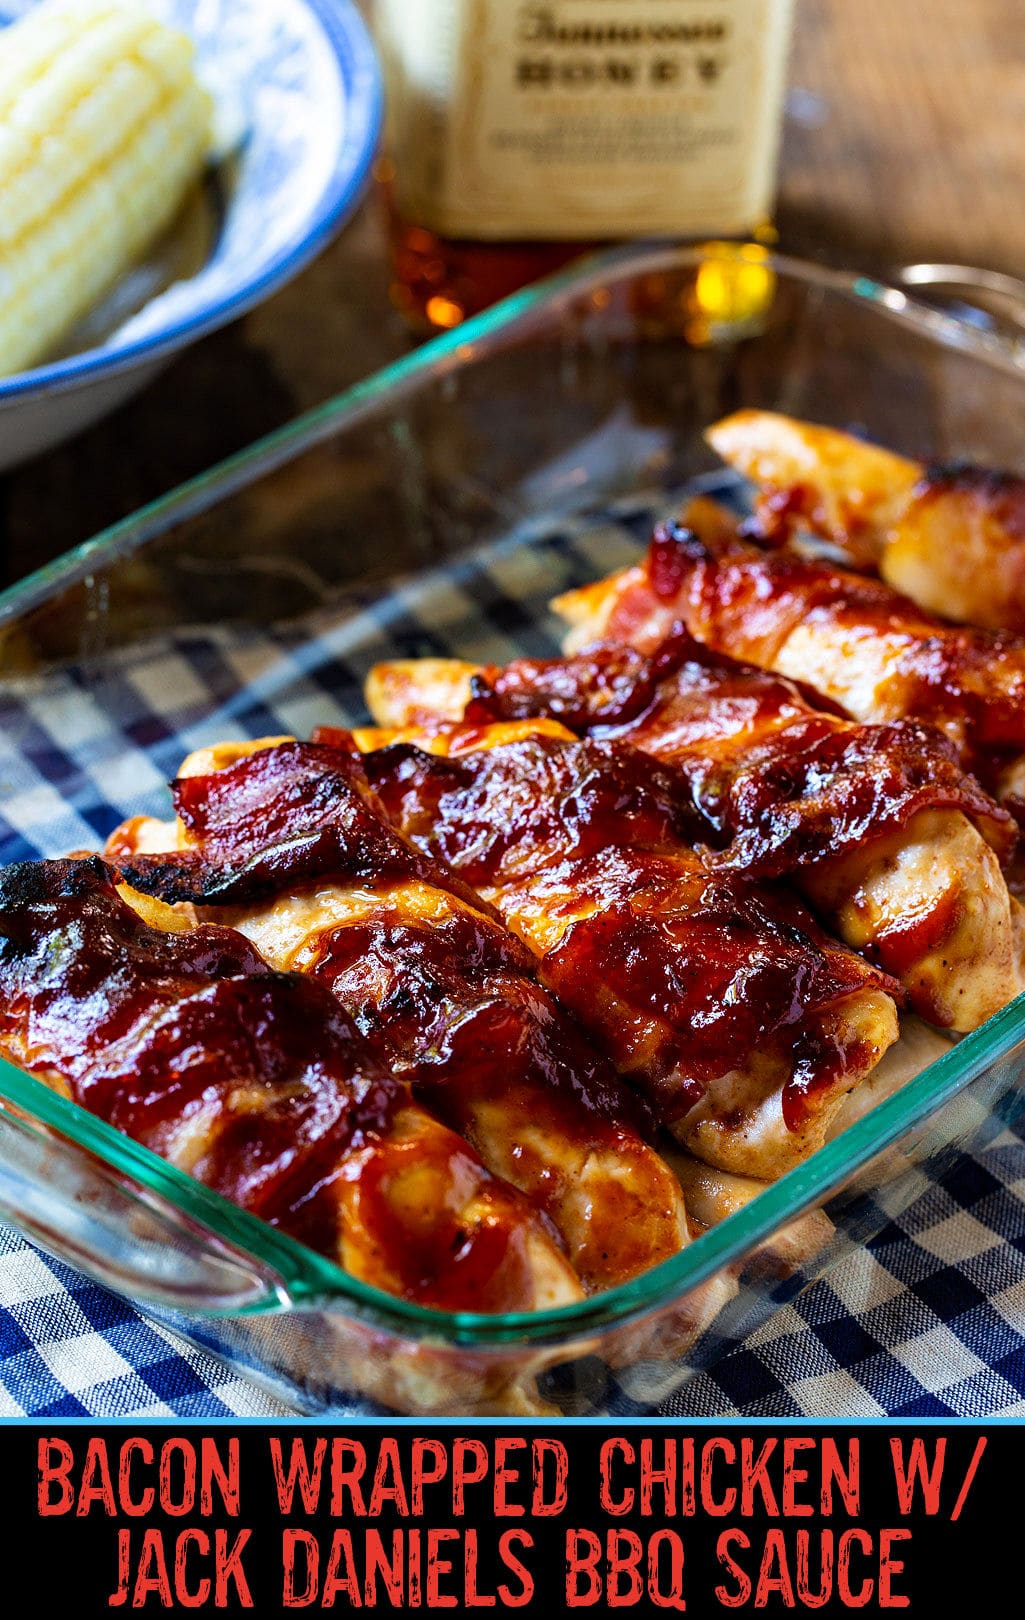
285, 844
743, 1023
259, 1085
950, 538
878, 825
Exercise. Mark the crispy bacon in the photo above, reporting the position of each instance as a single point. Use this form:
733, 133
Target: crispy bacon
455, 998
779, 784
877, 826
684, 973
934, 907
261, 1085
282, 817
861, 643
286, 815
952, 538
437, 984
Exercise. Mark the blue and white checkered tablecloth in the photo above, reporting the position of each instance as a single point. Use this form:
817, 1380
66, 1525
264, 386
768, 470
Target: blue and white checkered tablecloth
928, 1319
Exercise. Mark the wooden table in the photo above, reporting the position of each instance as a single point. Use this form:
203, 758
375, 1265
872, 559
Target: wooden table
903, 142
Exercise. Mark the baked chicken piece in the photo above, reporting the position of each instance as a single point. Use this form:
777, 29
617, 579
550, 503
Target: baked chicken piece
259, 1085
877, 825
951, 538
851, 639
723, 999
416, 701
285, 843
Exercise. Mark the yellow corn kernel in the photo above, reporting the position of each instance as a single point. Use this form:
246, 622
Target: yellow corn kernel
103, 127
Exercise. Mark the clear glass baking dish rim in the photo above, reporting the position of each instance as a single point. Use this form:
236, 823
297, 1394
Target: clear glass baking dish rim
465, 343
303, 1279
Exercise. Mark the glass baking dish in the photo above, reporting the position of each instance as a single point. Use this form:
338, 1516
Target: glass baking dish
434, 508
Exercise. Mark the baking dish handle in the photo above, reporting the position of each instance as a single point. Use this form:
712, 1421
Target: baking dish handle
988, 300
125, 1236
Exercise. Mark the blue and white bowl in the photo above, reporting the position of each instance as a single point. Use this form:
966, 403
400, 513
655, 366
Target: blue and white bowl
298, 99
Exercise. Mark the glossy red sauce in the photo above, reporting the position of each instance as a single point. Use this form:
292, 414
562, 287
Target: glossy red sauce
673, 547
148, 1029
779, 784
502, 813
453, 998
680, 972
487, 1261
904, 943
273, 821
782, 508
455, 1001
746, 602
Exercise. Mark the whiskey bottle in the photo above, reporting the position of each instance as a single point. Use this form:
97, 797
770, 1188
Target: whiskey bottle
520, 132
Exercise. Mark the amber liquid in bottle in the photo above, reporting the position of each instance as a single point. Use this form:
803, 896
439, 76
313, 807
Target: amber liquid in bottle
437, 281
523, 133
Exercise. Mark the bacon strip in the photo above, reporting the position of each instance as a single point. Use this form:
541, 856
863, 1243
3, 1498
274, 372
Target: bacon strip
787, 790
724, 999
787, 784
878, 826
854, 639
436, 983
871, 651
262, 1087
290, 815
951, 538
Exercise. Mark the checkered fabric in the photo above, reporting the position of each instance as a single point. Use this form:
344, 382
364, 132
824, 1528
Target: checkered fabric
928, 1319
71, 1349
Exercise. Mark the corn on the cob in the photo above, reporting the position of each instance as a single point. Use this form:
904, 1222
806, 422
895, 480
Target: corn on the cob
102, 129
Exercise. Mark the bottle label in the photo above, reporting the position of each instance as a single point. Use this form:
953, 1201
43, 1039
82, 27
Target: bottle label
583, 119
